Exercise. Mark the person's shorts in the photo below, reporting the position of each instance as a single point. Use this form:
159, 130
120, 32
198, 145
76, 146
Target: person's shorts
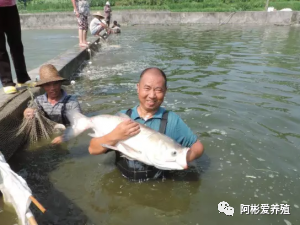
82, 22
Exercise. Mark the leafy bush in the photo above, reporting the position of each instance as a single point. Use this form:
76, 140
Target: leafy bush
173, 5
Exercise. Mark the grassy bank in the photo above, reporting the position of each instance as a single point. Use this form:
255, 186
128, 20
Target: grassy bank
170, 5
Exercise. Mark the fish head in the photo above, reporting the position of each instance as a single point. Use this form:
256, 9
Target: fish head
172, 158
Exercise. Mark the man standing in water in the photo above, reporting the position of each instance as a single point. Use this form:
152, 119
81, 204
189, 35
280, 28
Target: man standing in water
11, 27
55, 103
151, 91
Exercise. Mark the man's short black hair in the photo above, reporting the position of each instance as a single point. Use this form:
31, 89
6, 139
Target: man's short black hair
115, 22
161, 72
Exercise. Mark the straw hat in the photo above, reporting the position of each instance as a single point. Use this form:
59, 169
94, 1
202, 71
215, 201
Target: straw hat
98, 14
48, 73
107, 3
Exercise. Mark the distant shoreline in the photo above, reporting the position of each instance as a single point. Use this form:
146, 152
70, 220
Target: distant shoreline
34, 6
141, 17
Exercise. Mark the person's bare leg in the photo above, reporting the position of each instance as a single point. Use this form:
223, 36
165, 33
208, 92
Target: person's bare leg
98, 32
99, 35
80, 36
84, 36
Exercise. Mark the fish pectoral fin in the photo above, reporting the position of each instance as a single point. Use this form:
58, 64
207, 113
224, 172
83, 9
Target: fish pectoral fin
129, 149
125, 149
122, 115
110, 147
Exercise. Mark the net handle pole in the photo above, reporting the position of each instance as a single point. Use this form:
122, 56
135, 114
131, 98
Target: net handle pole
37, 204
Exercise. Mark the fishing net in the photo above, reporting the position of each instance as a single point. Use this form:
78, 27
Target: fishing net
17, 132
39, 127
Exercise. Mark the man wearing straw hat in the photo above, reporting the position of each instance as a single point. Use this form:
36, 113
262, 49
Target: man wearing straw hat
55, 103
97, 24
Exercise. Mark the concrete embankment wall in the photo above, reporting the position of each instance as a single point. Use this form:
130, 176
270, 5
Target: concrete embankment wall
68, 20
12, 106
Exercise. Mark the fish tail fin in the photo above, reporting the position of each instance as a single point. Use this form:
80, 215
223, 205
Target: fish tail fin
79, 123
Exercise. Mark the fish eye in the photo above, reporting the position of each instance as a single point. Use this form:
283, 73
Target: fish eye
174, 153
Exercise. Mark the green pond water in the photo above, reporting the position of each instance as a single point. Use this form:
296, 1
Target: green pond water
236, 87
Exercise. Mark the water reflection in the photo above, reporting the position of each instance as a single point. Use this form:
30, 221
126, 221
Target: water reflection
171, 195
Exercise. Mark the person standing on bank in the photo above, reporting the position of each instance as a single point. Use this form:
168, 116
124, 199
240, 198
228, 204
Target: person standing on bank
11, 27
55, 103
151, 91
107, 11
82, 11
